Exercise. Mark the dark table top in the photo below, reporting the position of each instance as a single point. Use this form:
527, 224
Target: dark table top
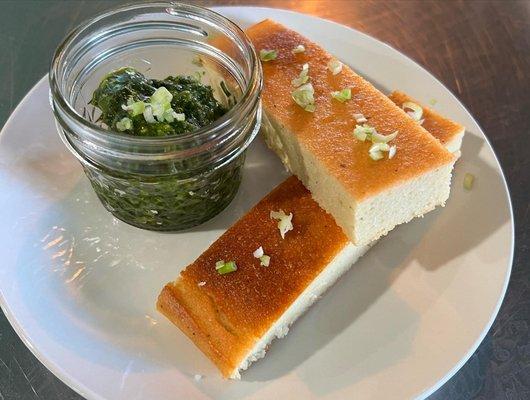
479, 49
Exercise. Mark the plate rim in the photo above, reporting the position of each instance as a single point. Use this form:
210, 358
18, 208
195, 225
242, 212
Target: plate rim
86, 392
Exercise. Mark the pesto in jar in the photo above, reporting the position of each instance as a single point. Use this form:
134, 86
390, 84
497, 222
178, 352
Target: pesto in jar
133, 104
126, 93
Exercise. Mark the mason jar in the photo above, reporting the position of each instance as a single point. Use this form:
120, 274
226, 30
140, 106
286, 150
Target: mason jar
159, 183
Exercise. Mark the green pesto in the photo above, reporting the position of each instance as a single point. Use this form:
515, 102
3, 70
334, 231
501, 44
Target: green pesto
190, 97
164, 201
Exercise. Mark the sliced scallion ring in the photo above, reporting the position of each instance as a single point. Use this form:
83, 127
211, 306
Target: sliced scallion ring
360, 118
265, 260
298, 49
304, 97
379, 146
268, 55
258, 252
342, 95
335, 66
376, 155
284, 221
225, 267
303, 77
124, 124
392, 151
416, 112
378, 138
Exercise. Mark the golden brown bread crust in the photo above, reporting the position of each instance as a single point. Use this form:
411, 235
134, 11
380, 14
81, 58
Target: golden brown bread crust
328, 131
440, 127
227, 315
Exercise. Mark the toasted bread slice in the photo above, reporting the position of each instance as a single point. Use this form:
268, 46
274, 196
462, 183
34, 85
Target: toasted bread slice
232, 318
449, 133
367, 198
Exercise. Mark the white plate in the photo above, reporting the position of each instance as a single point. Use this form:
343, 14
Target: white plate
79, 286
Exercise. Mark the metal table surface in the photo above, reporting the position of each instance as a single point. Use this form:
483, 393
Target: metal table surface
479, 49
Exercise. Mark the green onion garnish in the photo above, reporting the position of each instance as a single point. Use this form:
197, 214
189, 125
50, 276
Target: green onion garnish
378, 138
416, 111
225, 267
303, 77
363, 132
303, 96
376, 155
268, 55
342, 95
265, 260
134, 107
392, 151
298, 49
379, 142
284, 221
469, 179
124, 124
335, 66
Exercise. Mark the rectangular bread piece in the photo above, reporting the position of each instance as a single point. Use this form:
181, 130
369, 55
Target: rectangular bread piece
449, 133
233, 317
367, 198
224, 316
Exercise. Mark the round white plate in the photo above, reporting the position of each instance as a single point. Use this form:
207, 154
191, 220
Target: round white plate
80, 286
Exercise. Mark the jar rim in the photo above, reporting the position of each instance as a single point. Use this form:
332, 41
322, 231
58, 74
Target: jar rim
250, 94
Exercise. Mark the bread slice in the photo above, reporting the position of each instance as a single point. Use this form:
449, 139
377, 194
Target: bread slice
449, 133
232, 318
367, 198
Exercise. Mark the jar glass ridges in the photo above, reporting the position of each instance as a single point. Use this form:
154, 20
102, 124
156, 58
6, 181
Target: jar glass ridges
173, 182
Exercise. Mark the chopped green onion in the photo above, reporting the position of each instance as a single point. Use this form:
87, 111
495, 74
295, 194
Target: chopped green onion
303, 77
161, 96
416, 111
225, 268
148, 115
268, 55
298, 49
284, 221
124, 124
265, 260
392, 151
342, 95
378, 138
304, 97
258, 252
362, 132
433, 102
379, 142
376, 155
360, 118
379, 146
219, 264
469, 179
134, 107
335, 66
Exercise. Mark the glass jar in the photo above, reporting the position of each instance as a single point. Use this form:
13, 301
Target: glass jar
159, 183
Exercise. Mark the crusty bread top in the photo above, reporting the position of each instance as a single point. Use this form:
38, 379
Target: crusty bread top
328, 132
440, 127
226, 315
